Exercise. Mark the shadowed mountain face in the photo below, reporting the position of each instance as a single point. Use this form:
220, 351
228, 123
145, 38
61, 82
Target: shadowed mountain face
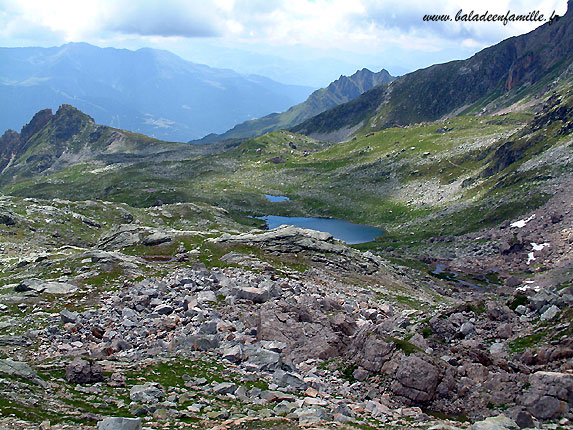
504, 73
342, 90
51, 142
146, 91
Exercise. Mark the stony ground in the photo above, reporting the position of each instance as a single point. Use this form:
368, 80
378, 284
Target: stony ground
191, 315
275, 329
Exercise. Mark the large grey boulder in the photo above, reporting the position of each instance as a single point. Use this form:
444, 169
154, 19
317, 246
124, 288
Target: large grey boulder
233, 353
549, 396
416, 379
68, 316
259, 294
264, 358
198, 342
225, 388
120, 237
149, 392
501, 422
20, 369
288, 238
156, 238
125, 235
40, 286
119, 423
289, 380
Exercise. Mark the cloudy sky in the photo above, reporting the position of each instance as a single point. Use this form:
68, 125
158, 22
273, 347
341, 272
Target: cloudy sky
308, 42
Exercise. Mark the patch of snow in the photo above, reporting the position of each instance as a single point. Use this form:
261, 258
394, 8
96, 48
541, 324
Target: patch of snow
521, 223
530, 257
104, 169
539, 247
529, 287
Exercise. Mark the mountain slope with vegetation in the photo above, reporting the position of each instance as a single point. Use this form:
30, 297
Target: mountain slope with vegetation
520, 67
342, 90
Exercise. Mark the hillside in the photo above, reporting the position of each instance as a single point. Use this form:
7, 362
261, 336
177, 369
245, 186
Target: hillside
342, 90
52, 142
145, 91
519, 68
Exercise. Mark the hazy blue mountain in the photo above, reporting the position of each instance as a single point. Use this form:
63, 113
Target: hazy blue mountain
342, 90
147, 91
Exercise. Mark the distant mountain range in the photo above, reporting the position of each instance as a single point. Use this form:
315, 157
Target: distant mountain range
147, 91
342, 90
493, 79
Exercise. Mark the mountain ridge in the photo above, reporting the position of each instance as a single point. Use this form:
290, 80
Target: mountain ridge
343, 89
51, 142
517, 63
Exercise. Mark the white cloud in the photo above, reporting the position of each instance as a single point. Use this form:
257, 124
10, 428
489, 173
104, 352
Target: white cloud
387, 29
327, 23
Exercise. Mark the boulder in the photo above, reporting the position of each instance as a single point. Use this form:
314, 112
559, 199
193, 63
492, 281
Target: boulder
156, 238
225, 388
550, 313
371, 352
377, 409
512, 282
289, 380
234, 354
264, 358
416, 379
164, 309
40, 286
119, 423
150, 393
259, 294
119, 237
83, 372
501, 422
68, 316
20, 369
549, 396
288, 238
467, 328
199, 342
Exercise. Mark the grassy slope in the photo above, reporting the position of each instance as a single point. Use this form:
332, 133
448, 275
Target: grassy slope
423, 180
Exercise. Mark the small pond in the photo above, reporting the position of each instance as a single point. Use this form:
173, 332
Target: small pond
342, 230
276, 199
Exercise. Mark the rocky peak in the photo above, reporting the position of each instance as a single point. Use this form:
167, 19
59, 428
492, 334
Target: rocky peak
38, 122
69, 121
10, 142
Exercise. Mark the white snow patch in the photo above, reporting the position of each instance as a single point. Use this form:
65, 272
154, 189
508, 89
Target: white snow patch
521, 223
529, 287
530, 257
539, 247
105, 169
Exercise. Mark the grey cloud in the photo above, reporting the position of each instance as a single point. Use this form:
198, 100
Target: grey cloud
166, 18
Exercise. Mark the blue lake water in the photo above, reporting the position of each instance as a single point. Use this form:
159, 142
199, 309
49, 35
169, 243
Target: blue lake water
343, 230
275, 199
